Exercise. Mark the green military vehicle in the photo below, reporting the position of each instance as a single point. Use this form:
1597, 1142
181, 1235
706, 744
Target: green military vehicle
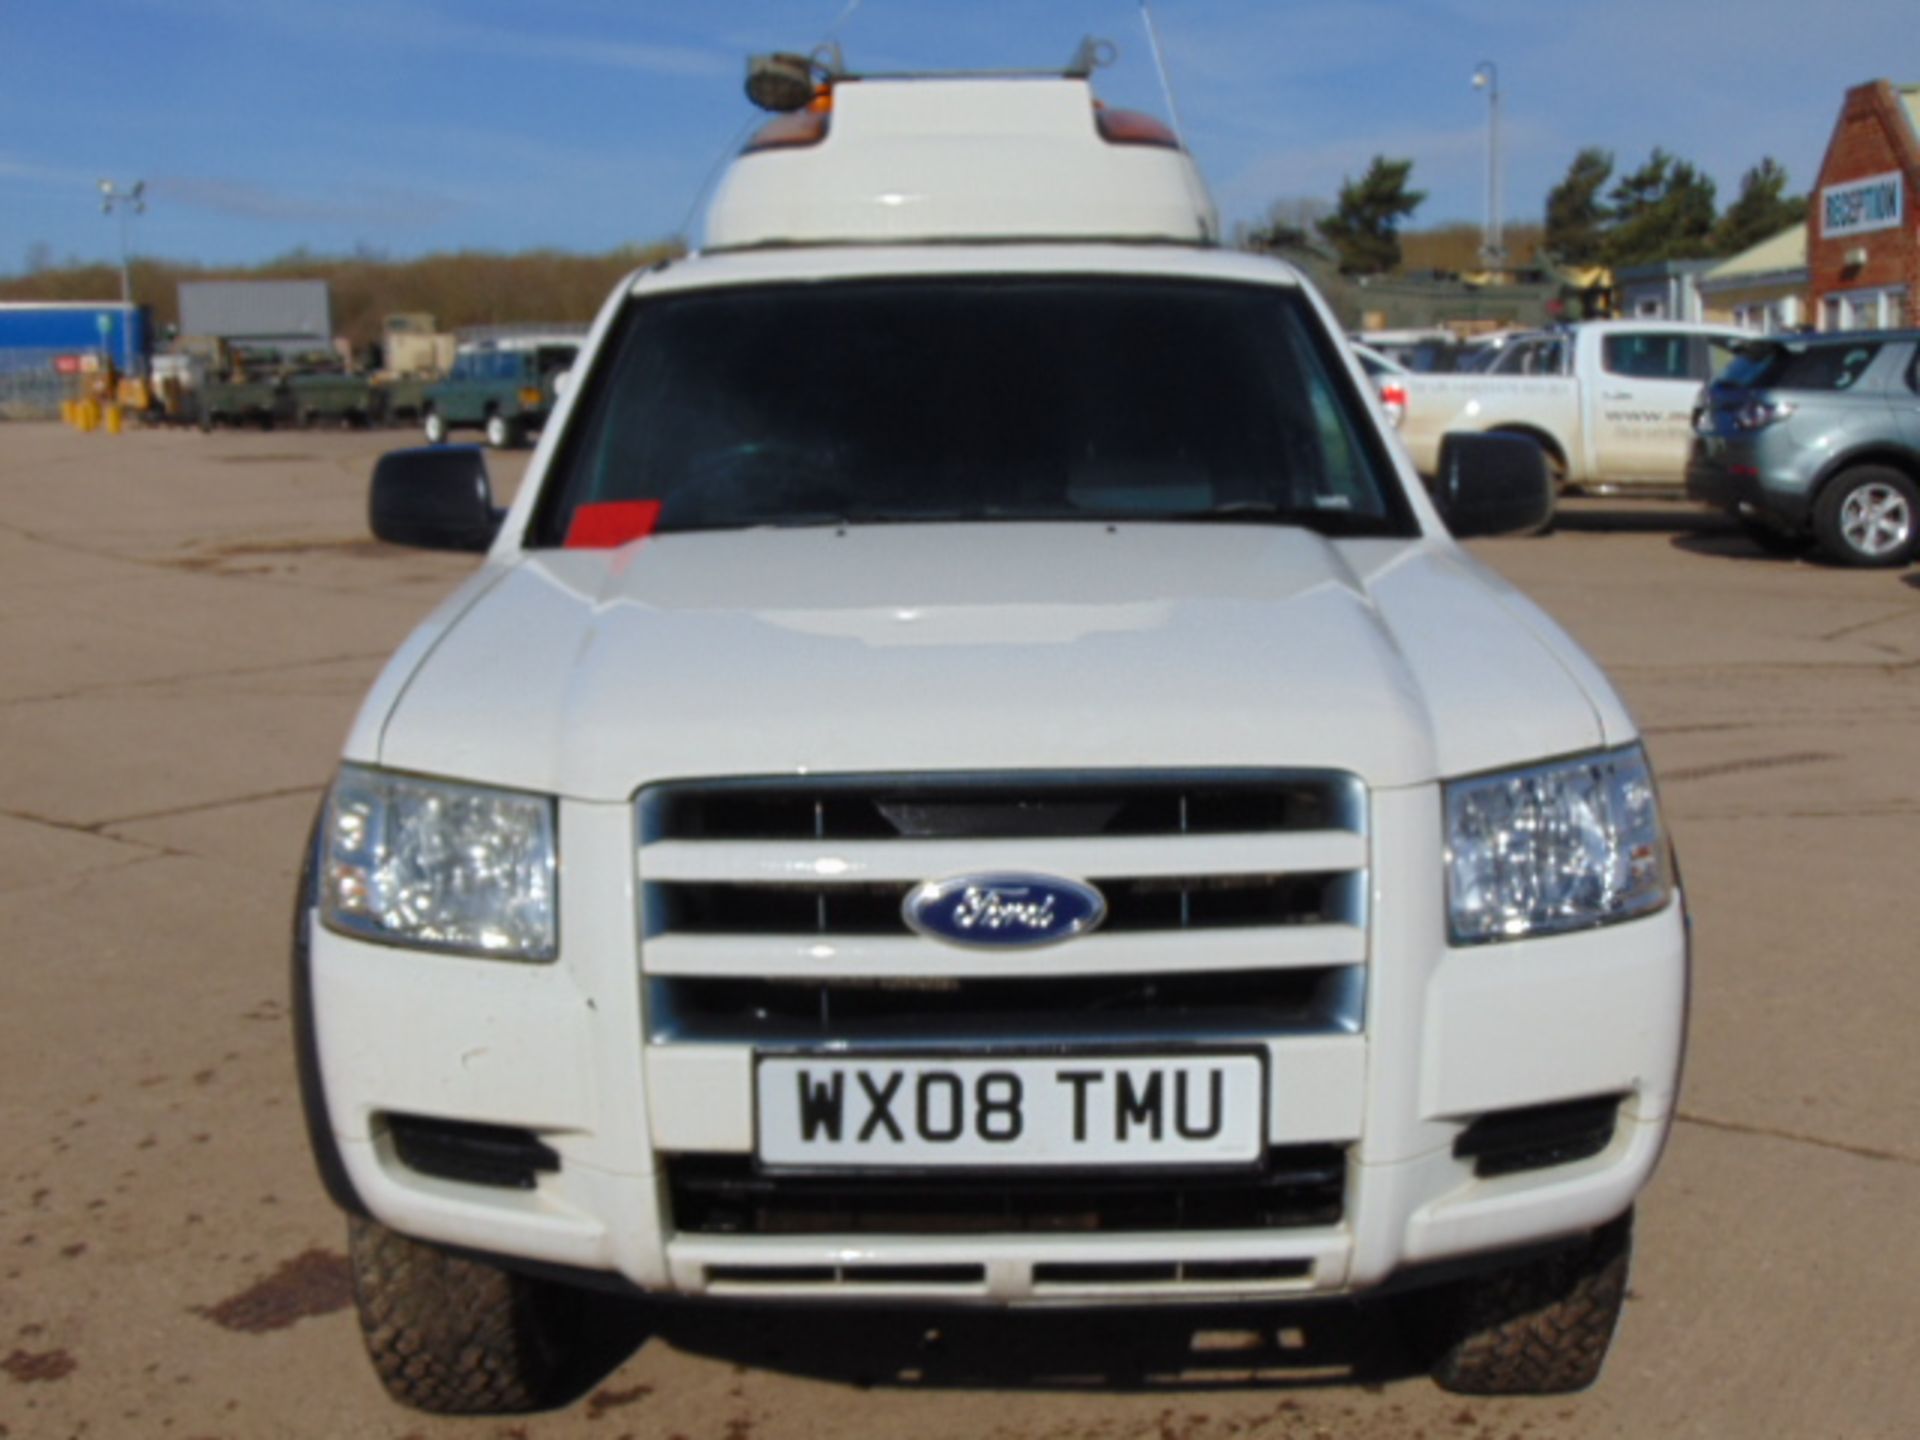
503, 387
246, 399
332, 397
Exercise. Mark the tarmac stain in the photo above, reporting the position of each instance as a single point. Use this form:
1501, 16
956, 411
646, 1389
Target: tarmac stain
607, 1399
26, 1366
314, 1283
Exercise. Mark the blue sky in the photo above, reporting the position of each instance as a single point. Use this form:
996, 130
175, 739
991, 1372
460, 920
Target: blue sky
407, 126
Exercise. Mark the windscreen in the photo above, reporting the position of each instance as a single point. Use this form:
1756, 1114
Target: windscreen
955, 399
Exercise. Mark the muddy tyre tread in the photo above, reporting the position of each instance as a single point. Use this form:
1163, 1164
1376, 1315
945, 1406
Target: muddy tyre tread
1541, 1328
450, 1335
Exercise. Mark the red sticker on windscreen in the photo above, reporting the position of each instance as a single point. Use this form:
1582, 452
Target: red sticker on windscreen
612, 523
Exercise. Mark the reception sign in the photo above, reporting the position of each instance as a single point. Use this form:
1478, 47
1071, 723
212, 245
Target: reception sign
1874, 203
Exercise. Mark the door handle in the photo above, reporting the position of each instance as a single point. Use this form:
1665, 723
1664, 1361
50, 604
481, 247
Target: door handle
1616, 395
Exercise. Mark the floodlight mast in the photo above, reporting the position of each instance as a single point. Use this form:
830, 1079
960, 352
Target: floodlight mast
127, 203
1493, 246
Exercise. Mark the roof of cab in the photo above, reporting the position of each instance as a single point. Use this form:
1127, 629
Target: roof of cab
916, 159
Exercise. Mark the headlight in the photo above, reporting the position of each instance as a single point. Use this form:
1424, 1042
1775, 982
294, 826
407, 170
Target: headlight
1556, 847
438, 865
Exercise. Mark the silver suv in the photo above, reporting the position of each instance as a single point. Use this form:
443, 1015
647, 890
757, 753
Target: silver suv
1816, 439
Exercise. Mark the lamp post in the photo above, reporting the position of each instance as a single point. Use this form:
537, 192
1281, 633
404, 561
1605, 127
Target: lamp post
129, 203
1493, 248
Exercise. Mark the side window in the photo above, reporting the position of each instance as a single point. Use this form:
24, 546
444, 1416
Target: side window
1647, 356
1516, 359
1913, 371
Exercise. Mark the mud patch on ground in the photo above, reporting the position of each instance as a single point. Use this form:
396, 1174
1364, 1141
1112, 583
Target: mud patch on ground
318, 1282
27, 1366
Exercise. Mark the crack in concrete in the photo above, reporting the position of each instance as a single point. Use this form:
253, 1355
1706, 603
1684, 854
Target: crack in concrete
1693, 669
203, 806
1705, 728
1906, 612
1735, 767
100, 829
1735, 1127
1894, 810
72, 827
278, 667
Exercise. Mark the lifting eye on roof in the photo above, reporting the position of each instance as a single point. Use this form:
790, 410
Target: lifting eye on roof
1093, 54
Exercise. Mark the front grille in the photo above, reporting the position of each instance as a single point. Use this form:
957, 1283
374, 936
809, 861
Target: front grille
1170, 1272
1175, 902
769, 1275
771, 909
1000, 807
948, 1009
1297, 1186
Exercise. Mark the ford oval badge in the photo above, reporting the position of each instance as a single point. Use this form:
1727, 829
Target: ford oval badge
1003, 912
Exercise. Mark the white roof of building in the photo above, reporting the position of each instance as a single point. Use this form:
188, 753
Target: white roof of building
979, 158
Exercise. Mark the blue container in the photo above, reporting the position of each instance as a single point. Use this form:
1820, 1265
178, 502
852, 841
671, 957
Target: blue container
31, 331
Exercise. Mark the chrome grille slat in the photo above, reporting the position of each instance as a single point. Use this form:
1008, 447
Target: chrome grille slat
814, 956
1090, 858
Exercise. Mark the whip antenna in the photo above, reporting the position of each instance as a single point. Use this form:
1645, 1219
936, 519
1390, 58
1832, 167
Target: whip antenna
1160, 68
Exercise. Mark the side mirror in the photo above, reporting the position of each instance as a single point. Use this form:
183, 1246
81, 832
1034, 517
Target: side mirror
436, 498
1492, 485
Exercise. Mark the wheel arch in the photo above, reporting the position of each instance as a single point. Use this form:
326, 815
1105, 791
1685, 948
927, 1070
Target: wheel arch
1892, 456
1545, 439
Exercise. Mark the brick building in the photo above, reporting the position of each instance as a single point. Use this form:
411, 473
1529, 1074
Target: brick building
1863, 232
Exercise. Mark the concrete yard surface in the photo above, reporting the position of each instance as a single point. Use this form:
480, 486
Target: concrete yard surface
188, 624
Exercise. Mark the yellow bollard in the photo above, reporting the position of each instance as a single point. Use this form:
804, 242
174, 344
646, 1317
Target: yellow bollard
116, 419
89, 416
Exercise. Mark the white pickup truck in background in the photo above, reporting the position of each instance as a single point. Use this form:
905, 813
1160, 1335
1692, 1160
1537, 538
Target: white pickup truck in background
1609, 401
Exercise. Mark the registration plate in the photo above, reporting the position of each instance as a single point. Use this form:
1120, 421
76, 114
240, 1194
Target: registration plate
1068, 1110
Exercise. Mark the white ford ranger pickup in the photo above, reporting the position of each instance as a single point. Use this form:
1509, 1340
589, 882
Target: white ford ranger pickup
1609, 402
973, 772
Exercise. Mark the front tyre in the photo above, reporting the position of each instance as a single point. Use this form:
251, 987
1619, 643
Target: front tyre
502, 433
1541, 1327
436, 428
1867, 516
451, 1335
1556, 473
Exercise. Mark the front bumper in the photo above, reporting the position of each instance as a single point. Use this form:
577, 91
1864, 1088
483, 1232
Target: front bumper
562, 1051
